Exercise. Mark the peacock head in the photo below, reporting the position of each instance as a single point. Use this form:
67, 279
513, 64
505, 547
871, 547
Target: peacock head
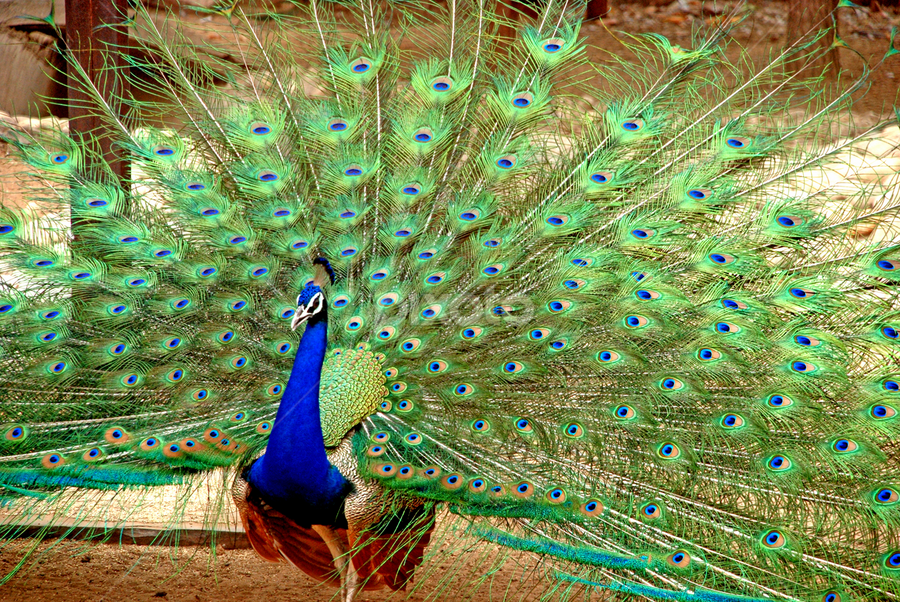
311, 301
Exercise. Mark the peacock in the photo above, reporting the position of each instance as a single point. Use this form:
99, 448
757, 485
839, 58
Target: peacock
390, 268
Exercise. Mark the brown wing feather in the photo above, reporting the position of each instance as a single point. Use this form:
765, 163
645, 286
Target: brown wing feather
392, 556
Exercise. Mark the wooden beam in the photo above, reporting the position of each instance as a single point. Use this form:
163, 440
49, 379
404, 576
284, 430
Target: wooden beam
97, 38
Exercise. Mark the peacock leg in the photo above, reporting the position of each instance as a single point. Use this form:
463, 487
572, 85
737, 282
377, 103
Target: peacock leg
342, 561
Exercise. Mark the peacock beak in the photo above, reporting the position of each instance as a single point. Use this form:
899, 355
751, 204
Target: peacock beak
300, 316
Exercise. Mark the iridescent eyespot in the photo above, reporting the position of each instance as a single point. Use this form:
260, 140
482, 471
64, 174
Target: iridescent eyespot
889, 332
803, 367
559, 306
789, 221
337, 125
556, 496
386, 333
493, 243
892, 560
523, 425
727, 328
410, 345
57, 367
471, 332
267, 175
405, 405
116, 434
353, 171
52, 461
722, 258
573, 430
237, 305
477, 485
388, 299
239, 362
635, 321
668, 450
361, 65
607, 357
354, 324
553, 45
539, 334
398, 387
679, 559
632, 125
731, 421
624, 412
573, 284
651, 510
59, 158
493, 269
413, 439
558, 220
559, 344
671, 384
463, 390
432, 311
523, 489
470, 215
890, 385
844, 446
95, 203
773, 539
591, 508
522, 100
441, 84
384, 470
92, 455
886, 495
737, 142
708, 355
513, 367
831, 597
801, 293
264, 427
481, 425
647, 295
436, 278
149, 443
887, 265
430, 472
779, 463
260, 129
195, 186
423, 135
882, 411
699, 193
282, 212
427, 254
375, 451
437, 366
779, 401
380, 274
15, 433
601, 177
506, 162
199, 394
117, 348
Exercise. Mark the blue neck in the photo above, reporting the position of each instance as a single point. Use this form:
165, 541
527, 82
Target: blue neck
294, 476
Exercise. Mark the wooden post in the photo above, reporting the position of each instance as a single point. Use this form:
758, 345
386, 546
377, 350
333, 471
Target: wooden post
97, 36
808, 17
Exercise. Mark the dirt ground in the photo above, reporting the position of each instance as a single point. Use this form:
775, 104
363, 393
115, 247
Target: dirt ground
112, 573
